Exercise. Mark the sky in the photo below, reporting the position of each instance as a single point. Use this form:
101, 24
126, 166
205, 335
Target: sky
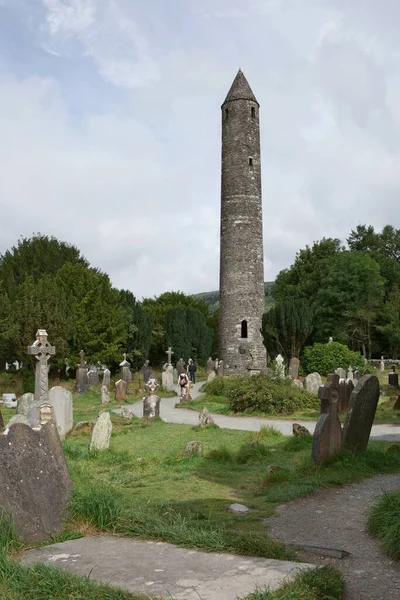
110, 133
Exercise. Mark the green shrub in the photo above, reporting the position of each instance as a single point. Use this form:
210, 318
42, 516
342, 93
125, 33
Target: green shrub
28, 381
219, 386
261, 394
326, 358
384, 522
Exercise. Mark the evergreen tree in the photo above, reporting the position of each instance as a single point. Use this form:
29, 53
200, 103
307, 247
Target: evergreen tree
287, 326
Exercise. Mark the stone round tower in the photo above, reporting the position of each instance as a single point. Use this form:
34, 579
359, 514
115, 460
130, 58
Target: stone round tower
241, 289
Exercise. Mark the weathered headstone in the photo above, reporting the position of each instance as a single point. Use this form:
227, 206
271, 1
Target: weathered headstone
93, 376
18, 419
341, 372
169, 378
101, 432
146, 371
221, 368
356, 376
34, 480
24, 404
382, 365
211, 376
210, 365
360, 416
294, 367
180, 366
350, 374
300, 431
327, 438
105, 395
46, 413
169, 353
120, 389
106, 376
42, 351
126, 373
342, 394
61, 401
175, 376
205, 419
151, 403
393, 378
312, 383
82, 382
280, 367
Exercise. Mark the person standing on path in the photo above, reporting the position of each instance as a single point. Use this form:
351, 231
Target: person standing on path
192, 370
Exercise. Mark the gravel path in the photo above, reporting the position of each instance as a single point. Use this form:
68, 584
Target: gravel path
170, 414
336, 518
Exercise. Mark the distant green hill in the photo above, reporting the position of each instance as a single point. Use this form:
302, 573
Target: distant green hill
211, 298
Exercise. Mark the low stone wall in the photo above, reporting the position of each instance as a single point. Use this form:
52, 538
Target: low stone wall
376, 362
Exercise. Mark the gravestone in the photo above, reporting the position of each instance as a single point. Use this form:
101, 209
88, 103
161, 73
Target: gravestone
46, 413
280, 367
82, 382
341, 372
42, 351
360, 416
169, 354
120, 389
175, 376
101, 432
18, 419
211, 376
146, 371
205, 419
297, 383
356, 376
342, 394
34, 481
105, 395
349, 391
92, 376
151, 404
106, 376
210, 365
126, 374
382, 365
180, 366
10, 400
163, 376
327, 438
169, 378
312, 383
61, 401
393, 378
350, 374
221, 368
24, 404
294, 367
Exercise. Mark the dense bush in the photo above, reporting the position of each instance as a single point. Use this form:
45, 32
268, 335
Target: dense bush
326, 358
260, 393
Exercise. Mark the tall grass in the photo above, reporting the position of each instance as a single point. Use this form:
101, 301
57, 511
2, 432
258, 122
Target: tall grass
384, 522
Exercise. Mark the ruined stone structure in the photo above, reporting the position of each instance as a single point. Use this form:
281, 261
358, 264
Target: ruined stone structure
241, 290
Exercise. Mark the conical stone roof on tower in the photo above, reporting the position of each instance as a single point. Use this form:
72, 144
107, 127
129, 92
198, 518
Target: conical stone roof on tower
241, 297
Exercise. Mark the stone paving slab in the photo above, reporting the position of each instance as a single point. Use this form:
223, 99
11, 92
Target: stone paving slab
160, 569
170, 414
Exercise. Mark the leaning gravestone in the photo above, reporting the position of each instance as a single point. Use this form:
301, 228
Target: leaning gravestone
120, 389
34, 481
61, 401
294, 367
327, 438
105, 395
360, 416
312, 383
101, 432
24, 404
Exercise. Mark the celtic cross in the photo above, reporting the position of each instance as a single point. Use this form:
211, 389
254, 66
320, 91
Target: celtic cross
42, 350
170, 353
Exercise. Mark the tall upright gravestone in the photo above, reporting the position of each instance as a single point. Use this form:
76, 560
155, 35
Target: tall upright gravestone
41, 350
61, 401
327, 438
126, 374
82, 382
360, 416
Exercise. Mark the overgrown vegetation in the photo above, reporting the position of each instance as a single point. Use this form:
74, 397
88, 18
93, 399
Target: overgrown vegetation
326, 358
384, 522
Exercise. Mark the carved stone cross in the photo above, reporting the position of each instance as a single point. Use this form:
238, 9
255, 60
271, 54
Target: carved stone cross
42, 350
82, 355
170, 353
124, 356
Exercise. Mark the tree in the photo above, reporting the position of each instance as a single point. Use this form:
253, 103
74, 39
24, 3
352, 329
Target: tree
391, 319
138, 328
187, 333
287, 326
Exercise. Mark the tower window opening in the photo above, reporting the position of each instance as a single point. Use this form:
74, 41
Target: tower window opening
253, 112
226, 113
250, 161
244, 329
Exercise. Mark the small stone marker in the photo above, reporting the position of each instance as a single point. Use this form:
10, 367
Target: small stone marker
341, 372
126, 374
106, 376
393, 378
34, 480
151, 403
221, 368
105, 395
360, 416
61, 401
120, 389
327, 438
300, 430
82, 382
10, 400
211, 376
194, 448
238, 508
294, 367
101, 432
205, 419
312, 383
24, 404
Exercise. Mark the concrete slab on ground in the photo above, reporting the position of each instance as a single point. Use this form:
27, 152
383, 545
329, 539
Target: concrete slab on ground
160, 569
